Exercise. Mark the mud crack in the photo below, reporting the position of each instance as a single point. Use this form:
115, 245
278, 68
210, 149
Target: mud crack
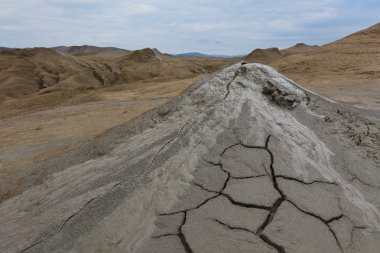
219, 193
284, 198
182, 237
179, 233
264, 238
237, 73
60, 227
326, 222
272, 209
303, 182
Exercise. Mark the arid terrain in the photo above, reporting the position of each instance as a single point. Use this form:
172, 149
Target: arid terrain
59, 108
53, 100
244, 161
347, 70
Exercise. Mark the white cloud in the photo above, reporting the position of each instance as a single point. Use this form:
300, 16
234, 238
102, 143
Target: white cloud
223, 26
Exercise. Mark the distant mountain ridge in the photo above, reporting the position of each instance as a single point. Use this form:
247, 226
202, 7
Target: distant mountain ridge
201, 55
4, 48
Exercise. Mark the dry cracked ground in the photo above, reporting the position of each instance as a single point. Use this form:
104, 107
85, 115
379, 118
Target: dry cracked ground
240, 204
243, 161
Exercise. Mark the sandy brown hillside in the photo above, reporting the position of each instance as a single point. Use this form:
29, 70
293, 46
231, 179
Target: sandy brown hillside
298, 48
92, 50
29, 71
269, 55
355, 57
365, 37
150, 64
33, 79
348, 69
264, 56
40, 70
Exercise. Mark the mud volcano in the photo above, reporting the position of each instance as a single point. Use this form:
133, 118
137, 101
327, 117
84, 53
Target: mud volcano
244, 161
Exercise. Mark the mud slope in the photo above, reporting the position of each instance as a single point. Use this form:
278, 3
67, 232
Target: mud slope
245, 161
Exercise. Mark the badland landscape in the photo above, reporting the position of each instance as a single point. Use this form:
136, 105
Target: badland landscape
105, 149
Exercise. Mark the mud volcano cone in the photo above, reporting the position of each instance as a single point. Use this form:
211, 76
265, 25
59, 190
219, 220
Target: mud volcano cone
244, 161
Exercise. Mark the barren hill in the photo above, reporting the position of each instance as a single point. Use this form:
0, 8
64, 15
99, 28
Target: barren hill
269, 55
298, 48
151, 64
264, 56
243, 161
87, 50
348, 69
355, 57
28, 71
41, 70
365, 37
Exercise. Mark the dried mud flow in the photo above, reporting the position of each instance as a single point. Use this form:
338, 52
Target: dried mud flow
243, 161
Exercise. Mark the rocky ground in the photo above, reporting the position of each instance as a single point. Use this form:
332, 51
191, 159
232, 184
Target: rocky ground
243, 161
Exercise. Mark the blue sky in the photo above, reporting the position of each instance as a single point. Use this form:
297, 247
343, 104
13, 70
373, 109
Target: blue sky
209, 26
